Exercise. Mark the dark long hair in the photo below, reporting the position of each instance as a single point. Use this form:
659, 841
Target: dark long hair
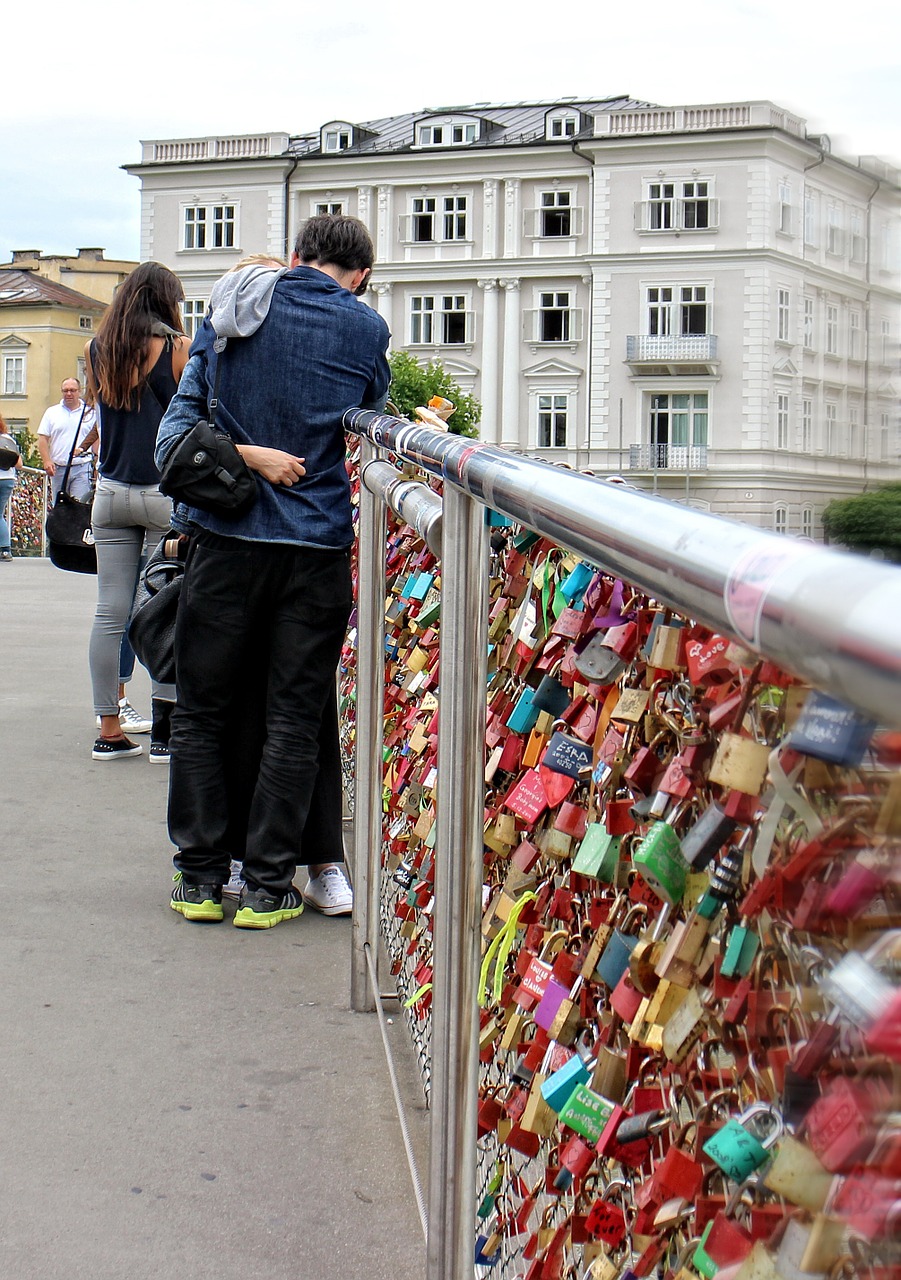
152, 292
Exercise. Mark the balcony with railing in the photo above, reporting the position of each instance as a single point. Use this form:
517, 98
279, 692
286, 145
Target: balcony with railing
697, 119
227, 147
668, 457
671, 353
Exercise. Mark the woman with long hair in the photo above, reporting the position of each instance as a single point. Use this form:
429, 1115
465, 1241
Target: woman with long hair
133, 367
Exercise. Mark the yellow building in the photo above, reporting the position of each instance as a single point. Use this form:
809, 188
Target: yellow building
88, 272
43, 329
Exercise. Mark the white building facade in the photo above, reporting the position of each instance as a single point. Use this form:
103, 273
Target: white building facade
700, 298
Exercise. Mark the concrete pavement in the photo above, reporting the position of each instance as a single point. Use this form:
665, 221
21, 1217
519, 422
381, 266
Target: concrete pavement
176, 1100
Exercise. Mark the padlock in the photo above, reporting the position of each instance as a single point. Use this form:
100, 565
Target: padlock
558, 1087
607, 1219
708, 835
598, 854
586, 1112
736, 1149
840, 1126
797, 1175
723, 1243
659, 861
614, 959
740, 763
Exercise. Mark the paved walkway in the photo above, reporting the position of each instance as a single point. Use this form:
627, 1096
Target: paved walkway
176, 1100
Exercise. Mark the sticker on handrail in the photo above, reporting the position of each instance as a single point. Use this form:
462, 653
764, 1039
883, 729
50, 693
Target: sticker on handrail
750, 581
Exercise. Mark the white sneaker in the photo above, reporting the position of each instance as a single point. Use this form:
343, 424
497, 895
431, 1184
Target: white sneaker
235, 880
130, 720
329, 892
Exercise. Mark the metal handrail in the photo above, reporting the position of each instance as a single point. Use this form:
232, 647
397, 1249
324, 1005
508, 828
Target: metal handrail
830, 617
780, 597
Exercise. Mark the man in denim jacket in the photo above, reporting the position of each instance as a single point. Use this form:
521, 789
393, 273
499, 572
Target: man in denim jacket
272, 587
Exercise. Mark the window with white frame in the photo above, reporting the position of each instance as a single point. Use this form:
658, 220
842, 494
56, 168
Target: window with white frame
885, 334
810, 219
853, 431
210, 226
337, 139
454, 319
783, 315
454, 218
554, 316
858, 237
784, 212
678, 419
885, 446
834, 235
780, 519
806, 425
553, 421
806, 522
809, 324
782, 420
831, 427
422, 223
855, 336
831, 329
422, 320
330, 206
193, 310
85, 322
563, 126
453, 133
678, 311
684, 205
14, 369
556, 213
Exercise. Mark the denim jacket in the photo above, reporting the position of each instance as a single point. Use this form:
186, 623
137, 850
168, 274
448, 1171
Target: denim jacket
319, 352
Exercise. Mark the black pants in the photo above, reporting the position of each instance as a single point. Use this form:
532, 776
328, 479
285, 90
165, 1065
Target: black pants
258, 639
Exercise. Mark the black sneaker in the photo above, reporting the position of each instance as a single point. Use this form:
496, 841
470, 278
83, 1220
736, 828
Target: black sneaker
114, 749
197, 901
258, 909
159, 753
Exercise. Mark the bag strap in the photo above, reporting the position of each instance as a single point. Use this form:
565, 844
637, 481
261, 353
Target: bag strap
218, 346
64, 487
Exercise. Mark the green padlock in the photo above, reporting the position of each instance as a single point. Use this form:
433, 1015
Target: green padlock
736, 1149
586, 1113
598, 854
659, 862
741, 949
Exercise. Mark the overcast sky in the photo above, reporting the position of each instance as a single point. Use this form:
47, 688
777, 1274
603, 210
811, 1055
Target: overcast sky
82, 87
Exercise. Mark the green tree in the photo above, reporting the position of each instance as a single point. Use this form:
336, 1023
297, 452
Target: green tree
413, 384
868, 522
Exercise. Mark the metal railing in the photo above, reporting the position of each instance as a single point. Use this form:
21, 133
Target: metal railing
830, 618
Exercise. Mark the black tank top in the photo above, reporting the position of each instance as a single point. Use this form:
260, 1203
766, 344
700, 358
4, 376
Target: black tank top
128, 436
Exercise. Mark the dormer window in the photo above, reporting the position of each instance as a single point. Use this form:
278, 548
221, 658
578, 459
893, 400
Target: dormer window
564, 126
449, 133
337, 136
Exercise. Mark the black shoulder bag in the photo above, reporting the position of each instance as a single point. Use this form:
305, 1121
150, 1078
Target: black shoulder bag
151, 630
205, 470
70, 538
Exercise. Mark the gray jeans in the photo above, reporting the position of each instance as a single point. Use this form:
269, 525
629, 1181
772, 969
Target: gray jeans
128, 520
81, 477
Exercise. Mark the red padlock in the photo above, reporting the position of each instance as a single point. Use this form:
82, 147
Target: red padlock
618, 817
839, 1127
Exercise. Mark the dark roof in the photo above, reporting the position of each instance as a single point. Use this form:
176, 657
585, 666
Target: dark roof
504, 124
28, 289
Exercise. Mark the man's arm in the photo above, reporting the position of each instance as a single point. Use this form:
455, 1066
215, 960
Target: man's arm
189, 404
44, 451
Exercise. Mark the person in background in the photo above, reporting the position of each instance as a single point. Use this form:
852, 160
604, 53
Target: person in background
270, 592
133, 367
7, 484
56, 432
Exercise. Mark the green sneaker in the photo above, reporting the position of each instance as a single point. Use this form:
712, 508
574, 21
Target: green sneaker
197, 901
261, 910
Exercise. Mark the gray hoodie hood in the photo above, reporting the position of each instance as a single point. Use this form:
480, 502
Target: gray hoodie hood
240, 300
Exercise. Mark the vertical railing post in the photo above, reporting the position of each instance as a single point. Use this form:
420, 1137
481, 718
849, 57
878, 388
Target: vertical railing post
458, 888
371, 554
